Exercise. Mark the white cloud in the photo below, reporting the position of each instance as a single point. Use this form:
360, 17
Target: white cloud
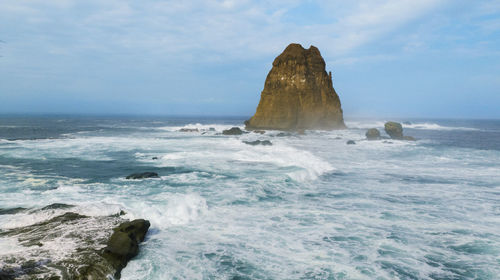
210, 30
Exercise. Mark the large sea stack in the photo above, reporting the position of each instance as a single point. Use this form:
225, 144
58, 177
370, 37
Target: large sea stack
298, 94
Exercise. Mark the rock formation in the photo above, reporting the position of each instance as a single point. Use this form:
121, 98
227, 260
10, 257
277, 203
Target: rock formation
298, 94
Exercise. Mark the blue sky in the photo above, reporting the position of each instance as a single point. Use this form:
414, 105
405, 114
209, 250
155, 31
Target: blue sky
401, 58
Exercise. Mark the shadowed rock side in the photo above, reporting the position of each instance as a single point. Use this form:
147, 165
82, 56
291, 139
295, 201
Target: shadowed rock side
298, 94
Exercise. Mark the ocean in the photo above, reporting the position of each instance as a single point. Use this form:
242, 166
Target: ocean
308, 207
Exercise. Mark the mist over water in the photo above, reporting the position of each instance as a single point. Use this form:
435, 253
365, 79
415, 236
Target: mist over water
307, 207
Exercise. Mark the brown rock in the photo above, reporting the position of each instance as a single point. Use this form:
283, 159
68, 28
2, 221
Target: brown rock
298, 94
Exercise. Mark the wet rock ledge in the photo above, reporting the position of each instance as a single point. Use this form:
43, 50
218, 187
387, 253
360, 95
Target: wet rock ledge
72, 246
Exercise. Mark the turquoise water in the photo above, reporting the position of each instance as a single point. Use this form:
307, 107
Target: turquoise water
307, 207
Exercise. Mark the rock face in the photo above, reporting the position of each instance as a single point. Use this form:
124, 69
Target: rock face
372, 134
298, 94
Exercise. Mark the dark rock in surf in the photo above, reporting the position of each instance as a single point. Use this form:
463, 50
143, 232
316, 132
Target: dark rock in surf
259, 131
189, 130
154, 158
372, 134
298, 94
233, 131
143, 175
123, 244
350, 142
259, 142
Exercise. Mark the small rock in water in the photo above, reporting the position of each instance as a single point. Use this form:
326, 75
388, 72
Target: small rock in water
154, 158
142, 175
189, 130
372, 134
338, 137
283, 134
233, 131
259, 142
350, 142
259, 131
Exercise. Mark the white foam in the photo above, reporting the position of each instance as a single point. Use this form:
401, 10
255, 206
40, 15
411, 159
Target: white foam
435, 126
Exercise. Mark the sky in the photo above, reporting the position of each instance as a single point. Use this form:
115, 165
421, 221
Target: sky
401, 58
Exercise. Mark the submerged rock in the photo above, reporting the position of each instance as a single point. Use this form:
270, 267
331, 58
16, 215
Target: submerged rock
259, 142
57, 206
233, 131
123, 244
189, 130
372, 134
298, 94
283, 134
142, 175
350, 142
10, 211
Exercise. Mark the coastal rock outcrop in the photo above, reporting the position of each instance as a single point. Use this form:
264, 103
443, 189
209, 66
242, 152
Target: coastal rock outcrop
298, 94
94, 246
123, 244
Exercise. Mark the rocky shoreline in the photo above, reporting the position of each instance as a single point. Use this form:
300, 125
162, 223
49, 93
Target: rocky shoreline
72, 246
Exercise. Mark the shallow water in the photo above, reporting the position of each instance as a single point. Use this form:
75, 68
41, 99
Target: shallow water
307, 207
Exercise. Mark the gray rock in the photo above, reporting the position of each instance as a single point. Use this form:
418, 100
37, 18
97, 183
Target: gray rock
350, 142
372, 134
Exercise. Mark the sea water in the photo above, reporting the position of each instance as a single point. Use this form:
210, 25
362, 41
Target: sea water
307, 207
